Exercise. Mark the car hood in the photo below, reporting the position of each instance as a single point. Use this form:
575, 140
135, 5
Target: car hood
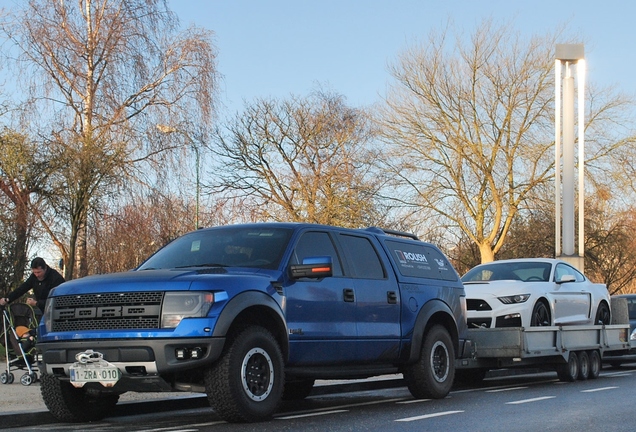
500, 288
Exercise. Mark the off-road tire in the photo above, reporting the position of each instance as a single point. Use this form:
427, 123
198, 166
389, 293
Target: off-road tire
433, 374
69, 404
246, 383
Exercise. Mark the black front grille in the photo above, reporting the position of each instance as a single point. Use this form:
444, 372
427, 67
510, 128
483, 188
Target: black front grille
110, 311
477, 305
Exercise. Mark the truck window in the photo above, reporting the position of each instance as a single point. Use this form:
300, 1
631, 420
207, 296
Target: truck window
314, 243
363, 257
420, 260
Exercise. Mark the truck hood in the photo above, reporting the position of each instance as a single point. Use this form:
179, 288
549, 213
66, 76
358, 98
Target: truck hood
216, 278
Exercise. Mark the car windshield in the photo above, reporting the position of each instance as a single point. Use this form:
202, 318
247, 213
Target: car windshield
521, 271
223, 247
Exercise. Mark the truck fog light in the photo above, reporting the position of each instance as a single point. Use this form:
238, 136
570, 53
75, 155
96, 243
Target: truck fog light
196, 353
182, 353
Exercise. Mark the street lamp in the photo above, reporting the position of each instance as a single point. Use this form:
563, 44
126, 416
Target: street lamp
169, 130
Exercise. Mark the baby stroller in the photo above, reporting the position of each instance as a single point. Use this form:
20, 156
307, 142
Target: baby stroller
18, 338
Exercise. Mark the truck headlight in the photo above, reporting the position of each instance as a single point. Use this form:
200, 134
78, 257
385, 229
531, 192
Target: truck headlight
518, 298
185, 304
633, 335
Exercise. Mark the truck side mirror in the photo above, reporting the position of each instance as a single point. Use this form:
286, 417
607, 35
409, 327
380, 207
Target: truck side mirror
312, 267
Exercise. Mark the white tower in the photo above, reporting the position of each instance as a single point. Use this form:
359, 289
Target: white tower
569, 62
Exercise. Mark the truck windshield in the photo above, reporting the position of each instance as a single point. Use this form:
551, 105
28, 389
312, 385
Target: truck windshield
223, 247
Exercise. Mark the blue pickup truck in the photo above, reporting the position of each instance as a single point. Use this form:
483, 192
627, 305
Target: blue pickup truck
253, 314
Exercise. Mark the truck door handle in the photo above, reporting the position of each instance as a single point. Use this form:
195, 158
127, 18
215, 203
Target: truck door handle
349, 295
391, 297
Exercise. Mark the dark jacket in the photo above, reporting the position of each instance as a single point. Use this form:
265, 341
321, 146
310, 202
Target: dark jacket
40, 288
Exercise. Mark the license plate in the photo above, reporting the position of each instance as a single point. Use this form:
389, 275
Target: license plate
105, 374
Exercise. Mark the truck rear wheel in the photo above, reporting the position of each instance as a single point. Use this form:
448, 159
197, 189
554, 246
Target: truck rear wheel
69, 404
433, 374
246, 383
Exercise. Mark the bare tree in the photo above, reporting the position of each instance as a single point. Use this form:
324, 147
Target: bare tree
102, 75
471, 126
302, 159
24, 171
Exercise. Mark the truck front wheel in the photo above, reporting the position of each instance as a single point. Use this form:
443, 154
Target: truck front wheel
70, 404
433, 374
246, 383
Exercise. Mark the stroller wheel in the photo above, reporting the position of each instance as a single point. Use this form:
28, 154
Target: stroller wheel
27, 379
10, 381
4, 378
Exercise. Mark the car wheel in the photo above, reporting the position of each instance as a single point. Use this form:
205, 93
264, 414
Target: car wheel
602, 314
433, 374
584, 365
540, 315
595, 364
246, 383
569, 371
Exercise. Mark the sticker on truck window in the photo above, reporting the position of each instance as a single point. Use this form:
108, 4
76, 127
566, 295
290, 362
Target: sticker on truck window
196, 245
421, 261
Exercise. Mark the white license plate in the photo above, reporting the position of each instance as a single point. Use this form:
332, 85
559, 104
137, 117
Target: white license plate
107, 375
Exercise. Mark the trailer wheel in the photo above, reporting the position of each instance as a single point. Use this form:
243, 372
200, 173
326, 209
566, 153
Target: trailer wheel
569, 371
595, 364
70, 404
433, 374
584, 365
246, 383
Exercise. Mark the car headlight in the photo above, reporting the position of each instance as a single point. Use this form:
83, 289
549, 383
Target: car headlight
517, 298
185, 304
633, 335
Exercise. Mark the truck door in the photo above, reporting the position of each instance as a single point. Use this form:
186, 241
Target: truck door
320, 312
572, 300
377, 300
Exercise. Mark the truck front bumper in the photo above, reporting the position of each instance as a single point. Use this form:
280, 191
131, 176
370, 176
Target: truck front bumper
134, 358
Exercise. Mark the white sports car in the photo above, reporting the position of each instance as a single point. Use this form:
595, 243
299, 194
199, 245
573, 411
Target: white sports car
533, 292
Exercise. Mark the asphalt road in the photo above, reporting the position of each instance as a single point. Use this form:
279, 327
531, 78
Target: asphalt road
528, 402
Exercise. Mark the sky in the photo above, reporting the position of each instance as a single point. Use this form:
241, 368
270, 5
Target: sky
276, 48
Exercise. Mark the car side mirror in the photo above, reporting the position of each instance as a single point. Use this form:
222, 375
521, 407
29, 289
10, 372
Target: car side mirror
566, 278
312, 267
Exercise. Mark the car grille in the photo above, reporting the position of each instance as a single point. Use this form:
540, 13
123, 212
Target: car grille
477, 305
111, 311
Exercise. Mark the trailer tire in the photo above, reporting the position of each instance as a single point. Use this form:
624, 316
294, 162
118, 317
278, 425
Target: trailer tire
432, 375
246, 383
70, 404
584, 365
595, 364
569, 371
